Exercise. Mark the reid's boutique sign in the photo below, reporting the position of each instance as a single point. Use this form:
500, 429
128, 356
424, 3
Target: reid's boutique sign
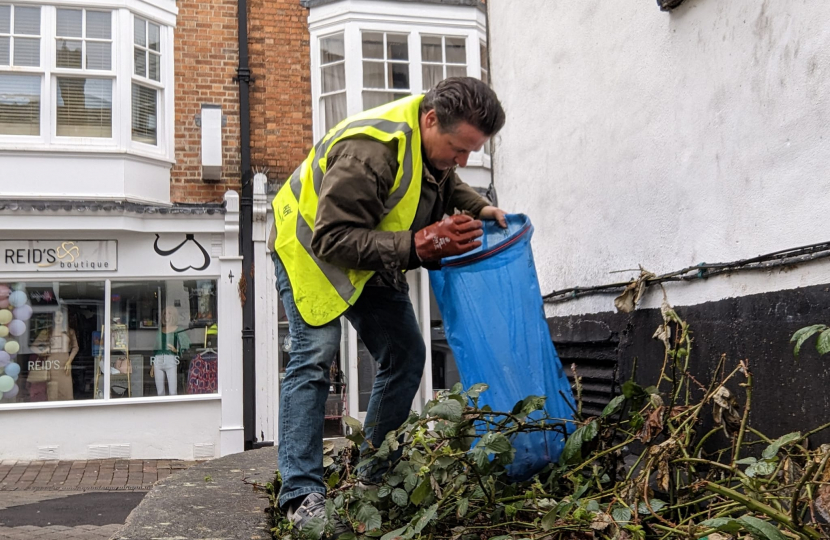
58, 255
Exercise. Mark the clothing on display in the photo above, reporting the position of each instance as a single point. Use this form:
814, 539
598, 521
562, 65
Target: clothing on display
203, 374
165, 367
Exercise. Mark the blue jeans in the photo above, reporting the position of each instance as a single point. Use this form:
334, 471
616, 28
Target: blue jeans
385, 320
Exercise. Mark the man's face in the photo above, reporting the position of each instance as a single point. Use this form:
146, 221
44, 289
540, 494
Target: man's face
446, 149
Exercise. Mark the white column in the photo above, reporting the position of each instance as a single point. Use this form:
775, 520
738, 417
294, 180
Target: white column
265, 305
232, 431
419, 293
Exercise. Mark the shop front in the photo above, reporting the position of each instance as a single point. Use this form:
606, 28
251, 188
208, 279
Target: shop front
120, 333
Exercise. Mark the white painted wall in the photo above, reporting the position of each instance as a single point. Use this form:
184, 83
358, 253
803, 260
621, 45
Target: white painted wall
636, 136
153, 430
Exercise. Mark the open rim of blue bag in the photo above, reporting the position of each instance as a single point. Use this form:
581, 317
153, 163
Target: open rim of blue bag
494, 240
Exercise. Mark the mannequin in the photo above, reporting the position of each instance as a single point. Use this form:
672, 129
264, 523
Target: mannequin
170, 343
64, 348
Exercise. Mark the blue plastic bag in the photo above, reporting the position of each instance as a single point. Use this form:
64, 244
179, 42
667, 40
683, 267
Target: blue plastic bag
495, 325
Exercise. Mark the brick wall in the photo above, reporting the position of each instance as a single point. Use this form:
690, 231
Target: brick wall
206, 57
281, 95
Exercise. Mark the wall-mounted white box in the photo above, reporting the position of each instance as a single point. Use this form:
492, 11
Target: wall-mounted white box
211, 119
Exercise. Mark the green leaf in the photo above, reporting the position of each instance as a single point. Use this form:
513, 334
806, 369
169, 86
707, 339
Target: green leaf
592, 506
656, 505
746, 461
410, 481
384, 491
480, 458
457, 388
823, 344
420, 493
591, 430
631, 390
572, 451
424, 520
353, 423
502, 537
476, 390
761, 528
621, 514
448, 410
327, 462
761, 468
369, 515
804, 334
400, 497
533, 403
772, 450
314, 528
613, 406
495, 443
394, 480
397, 533
727, 525
549, 521
333, 479
463, 506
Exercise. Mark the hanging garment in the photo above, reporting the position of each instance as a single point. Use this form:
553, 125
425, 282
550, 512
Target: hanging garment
203, 374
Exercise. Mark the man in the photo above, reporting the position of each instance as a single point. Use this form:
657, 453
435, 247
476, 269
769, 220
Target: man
368, 203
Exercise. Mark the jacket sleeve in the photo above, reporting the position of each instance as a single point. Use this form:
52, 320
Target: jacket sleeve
465, 198
356, 185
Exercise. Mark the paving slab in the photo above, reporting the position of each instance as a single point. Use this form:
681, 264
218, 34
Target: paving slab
212, 500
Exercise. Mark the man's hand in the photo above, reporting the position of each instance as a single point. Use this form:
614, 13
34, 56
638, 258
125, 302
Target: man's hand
453, 235
496, 214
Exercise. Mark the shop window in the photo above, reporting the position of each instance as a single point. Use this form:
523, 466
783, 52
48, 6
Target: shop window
163, 338
48, 340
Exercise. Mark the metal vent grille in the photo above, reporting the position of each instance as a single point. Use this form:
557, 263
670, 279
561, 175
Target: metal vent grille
596, 365
120, 451
47, 452
203, 451
98, 451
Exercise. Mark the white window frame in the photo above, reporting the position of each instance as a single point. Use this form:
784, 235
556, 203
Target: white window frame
387, 63
353, 29
121, 74
147, 82
322, 94
443, 63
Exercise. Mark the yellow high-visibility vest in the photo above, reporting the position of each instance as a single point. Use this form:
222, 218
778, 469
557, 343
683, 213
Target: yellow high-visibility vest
323, 291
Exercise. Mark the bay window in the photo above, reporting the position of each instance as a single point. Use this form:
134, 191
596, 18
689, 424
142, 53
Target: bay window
442, 57
333, 72
385, 67
68, 73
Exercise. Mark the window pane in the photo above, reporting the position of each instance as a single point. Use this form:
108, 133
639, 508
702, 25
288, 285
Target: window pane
153, 39
145, 114
372, 45
27, 20
432, 76
139, 32
332, 49
70, 23
27, 52
99, 24
431, 49
54, 359
397, 48
373, 75
84, 107
334, 78
399, 76
140, 61
168, 331
98, 55
5, 19
375, 99
456, 71
482, 49
4, 51
68, 54
334, 109
456, 51
153, 68
19, 104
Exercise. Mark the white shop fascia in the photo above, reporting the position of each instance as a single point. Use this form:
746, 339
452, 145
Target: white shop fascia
127, 286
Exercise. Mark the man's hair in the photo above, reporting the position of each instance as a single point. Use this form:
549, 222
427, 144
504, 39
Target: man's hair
465, 99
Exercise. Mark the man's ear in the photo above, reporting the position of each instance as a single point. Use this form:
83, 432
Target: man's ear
430, 118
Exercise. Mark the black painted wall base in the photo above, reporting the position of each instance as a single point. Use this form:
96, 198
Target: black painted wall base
789, 394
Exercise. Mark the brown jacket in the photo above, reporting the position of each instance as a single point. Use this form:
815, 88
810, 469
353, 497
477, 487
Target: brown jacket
355, 187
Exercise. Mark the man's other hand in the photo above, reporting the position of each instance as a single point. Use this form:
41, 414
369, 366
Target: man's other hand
495, 214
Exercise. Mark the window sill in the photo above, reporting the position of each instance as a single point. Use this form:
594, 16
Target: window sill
110, 150
104, 403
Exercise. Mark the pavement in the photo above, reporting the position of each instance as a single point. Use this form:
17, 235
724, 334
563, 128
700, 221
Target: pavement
75, 500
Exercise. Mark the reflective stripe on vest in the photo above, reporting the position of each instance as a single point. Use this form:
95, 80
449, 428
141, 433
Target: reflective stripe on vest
323, 291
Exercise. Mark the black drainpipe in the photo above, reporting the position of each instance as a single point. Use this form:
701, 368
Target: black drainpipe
246, 243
